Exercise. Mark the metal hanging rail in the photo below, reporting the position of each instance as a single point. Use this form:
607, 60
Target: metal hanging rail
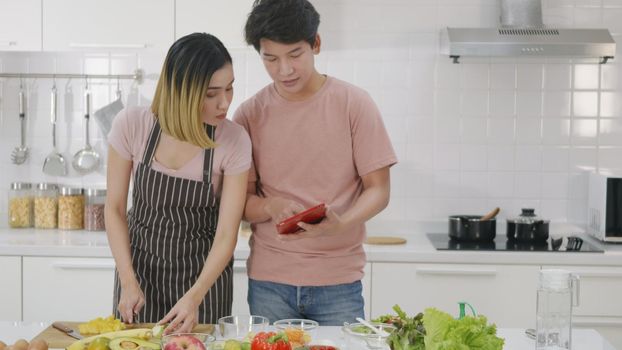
138, 76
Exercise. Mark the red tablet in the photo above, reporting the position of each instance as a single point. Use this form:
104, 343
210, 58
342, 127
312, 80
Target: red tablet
312, 215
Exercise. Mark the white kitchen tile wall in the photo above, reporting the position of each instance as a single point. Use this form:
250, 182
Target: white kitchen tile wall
487, 132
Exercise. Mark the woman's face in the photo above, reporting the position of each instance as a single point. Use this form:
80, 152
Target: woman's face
219, 95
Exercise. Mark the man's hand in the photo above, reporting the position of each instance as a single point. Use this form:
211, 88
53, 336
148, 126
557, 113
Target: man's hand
331, 225
280, 209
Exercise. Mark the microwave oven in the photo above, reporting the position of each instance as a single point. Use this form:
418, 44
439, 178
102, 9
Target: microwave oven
605, 207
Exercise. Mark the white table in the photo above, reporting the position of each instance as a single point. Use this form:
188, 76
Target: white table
515, 339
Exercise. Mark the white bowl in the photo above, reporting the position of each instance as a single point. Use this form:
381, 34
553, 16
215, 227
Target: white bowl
358, 334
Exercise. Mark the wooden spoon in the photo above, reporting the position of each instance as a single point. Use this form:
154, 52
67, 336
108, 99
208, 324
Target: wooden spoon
490, 215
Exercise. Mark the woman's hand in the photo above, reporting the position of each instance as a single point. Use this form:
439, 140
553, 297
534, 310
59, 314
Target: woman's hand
280, 209
184, 315
131, 301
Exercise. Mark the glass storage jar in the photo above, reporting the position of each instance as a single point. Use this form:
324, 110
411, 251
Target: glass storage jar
20, 205
71, 208
46, 205
94, 210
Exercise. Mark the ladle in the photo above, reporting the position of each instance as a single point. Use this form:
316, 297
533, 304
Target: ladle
86, 160
54, 163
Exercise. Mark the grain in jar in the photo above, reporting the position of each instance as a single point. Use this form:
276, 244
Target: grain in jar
71, 208
20, 205
46, 205
94, 210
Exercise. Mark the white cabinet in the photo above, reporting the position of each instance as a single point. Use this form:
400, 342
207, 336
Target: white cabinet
67, 289
600, 300
505, 294
224, 19
109, 25
240, 288
20, 25
11, 290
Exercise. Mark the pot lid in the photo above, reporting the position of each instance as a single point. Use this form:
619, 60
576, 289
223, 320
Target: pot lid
527, 216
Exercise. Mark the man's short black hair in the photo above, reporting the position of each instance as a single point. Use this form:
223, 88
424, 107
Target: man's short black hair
282, 21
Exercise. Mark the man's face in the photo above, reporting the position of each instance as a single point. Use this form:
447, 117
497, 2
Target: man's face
291, 66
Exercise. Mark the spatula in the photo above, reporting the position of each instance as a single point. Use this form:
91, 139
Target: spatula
20, 153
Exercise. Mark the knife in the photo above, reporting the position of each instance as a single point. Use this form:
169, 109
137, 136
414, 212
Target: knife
67, 330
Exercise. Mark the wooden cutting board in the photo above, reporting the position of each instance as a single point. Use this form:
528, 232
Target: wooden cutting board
384, 240
59, 340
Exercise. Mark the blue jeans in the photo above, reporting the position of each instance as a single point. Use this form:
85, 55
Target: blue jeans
328, 305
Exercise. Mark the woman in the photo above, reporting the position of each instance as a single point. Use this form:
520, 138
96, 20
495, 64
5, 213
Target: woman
173, 250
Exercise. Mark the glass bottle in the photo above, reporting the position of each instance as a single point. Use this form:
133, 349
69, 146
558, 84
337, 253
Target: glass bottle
20, 205
94, 210
46, 205
558, 292
71, 208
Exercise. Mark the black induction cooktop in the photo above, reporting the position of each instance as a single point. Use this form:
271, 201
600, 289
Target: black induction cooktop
575, 244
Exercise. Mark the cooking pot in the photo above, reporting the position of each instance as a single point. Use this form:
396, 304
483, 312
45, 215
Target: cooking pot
471, 228
527, 227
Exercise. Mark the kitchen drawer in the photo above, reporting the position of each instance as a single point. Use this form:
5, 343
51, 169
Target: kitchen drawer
70, 289
506, 295
600, 292
11, 291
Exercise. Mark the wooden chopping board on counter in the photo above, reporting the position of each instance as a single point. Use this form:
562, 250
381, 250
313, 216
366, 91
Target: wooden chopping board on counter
59, 340
384, 240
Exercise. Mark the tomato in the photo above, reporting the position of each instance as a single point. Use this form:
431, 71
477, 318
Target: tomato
270, 341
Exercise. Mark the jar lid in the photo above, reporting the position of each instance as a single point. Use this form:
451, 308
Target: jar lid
44, 186
70, 191
95, 192
21, 185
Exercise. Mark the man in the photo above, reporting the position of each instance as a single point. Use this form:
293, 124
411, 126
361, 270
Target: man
316, 139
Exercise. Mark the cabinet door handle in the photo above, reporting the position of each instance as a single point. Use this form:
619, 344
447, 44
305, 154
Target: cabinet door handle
83, 265
239, 266
8, 43
107, 46
595, 321
456, 271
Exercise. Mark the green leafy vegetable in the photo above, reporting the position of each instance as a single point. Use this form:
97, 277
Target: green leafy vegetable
409, 330
443, 332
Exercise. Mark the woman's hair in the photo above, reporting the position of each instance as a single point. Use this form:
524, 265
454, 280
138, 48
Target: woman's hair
183, 83
282, 21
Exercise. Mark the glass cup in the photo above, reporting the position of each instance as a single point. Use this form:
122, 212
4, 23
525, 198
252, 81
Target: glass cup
241, 326
187, 341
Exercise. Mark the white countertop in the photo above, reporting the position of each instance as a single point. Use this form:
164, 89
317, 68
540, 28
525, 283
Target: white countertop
32, 242
515, 339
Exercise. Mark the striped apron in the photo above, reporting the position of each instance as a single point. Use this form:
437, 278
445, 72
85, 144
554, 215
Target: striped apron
172, 224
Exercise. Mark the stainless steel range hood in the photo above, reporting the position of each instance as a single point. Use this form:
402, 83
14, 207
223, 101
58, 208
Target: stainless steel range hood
522, 33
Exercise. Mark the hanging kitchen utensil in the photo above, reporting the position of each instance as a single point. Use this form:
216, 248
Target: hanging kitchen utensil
527, 227
105, 115
86, 160
54, 163
20, 153
471, 228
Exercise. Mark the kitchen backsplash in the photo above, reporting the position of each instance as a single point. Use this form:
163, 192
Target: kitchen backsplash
472, 136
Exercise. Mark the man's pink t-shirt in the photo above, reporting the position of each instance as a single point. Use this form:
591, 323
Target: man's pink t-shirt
313, 151
130, 132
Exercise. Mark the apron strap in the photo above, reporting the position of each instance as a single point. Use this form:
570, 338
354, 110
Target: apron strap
152, 143
208, 156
